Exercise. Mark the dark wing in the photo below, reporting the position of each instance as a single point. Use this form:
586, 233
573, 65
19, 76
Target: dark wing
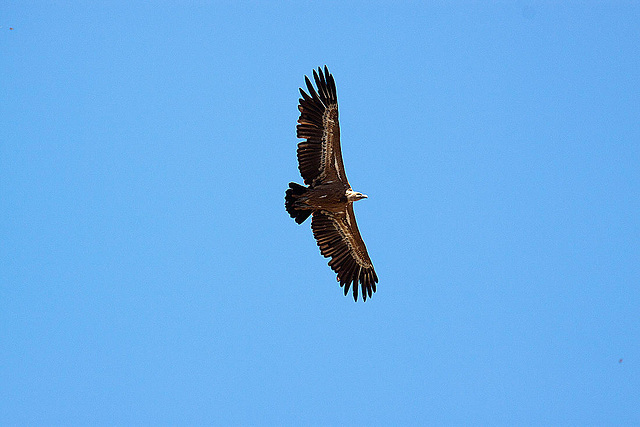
338, 237
320, 157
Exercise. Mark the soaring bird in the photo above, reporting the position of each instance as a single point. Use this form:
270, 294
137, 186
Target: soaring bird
328, 197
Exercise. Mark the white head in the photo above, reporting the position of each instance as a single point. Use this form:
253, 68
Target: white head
352, 196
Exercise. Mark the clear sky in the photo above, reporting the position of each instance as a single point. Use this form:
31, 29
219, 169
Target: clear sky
149, 273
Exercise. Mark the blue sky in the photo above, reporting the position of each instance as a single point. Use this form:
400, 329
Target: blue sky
150, 275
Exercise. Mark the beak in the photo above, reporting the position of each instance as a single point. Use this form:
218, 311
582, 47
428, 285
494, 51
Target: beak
364, 196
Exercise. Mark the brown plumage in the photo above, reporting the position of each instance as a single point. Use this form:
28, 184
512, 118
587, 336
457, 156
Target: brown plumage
328, 195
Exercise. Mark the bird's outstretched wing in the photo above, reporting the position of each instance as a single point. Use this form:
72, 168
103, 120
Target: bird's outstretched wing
338, 237
320, 157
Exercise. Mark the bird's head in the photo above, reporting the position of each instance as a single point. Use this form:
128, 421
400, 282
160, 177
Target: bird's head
352, 196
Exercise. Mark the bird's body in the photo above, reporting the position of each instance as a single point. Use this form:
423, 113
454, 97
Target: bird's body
331, 197
328, 197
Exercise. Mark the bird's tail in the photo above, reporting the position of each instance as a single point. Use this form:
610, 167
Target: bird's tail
293, 192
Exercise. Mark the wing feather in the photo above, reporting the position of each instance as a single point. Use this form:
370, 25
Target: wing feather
320, 156
338, 238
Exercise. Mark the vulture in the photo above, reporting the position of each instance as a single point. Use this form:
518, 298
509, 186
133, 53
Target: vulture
327, 196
